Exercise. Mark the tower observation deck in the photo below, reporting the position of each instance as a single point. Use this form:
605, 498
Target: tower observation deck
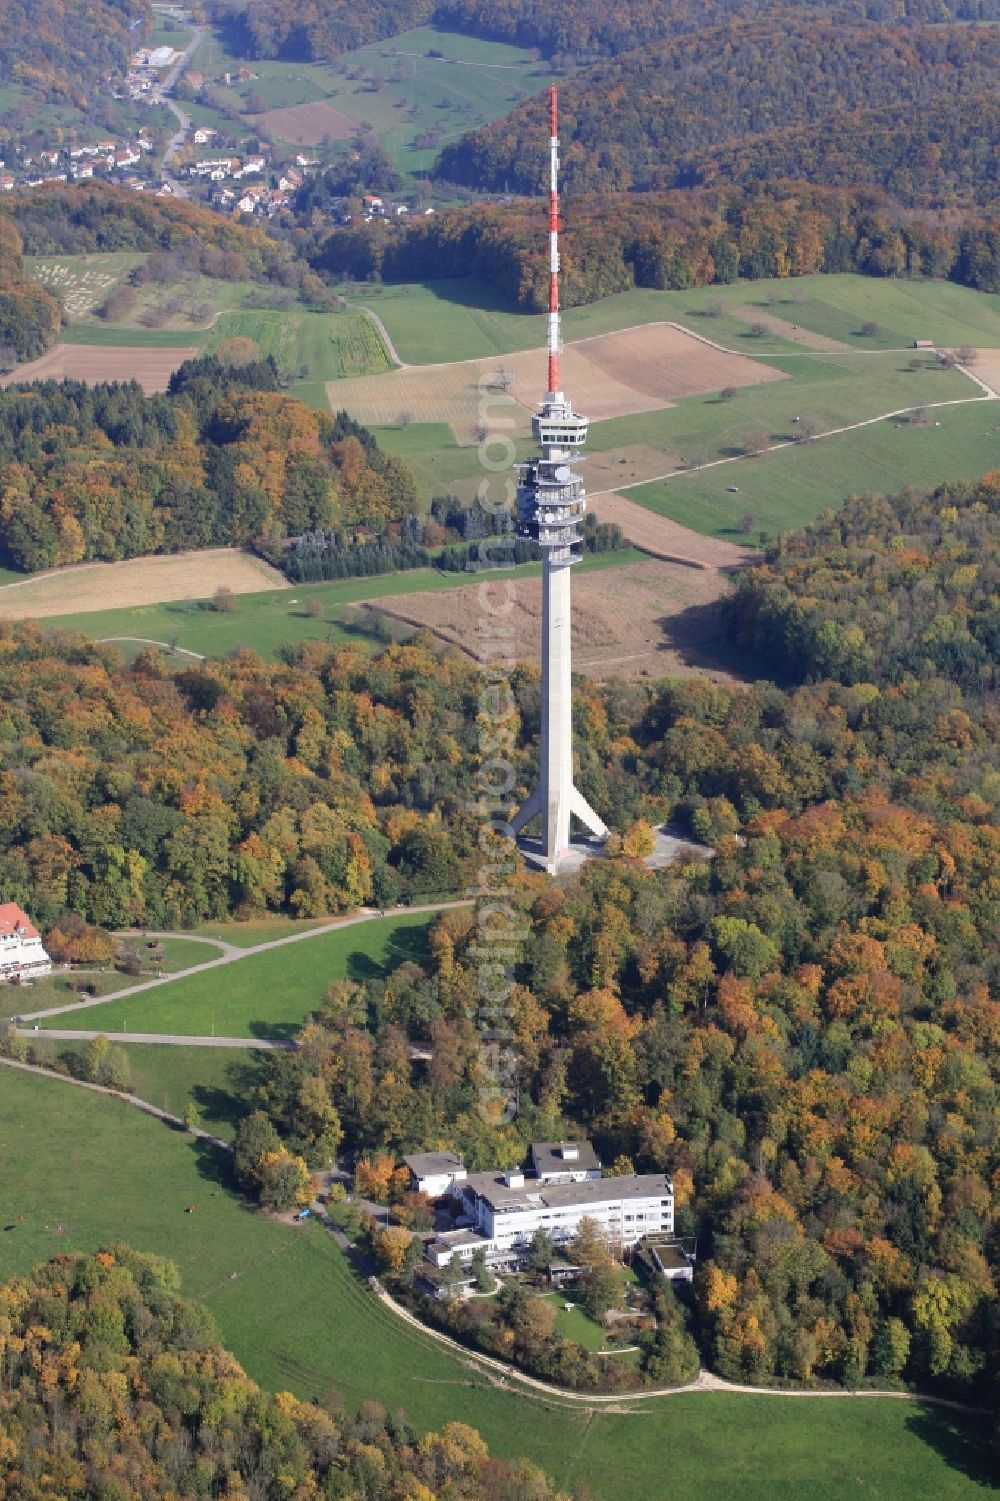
550, 507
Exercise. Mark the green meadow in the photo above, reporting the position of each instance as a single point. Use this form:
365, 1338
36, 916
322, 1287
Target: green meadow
412, 103
435, 322
82, 1170
269, 994
787, 489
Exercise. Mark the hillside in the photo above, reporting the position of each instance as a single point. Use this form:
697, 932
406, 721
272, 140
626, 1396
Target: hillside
116, 1388
65, 49
877, 100
613, 241
577, 30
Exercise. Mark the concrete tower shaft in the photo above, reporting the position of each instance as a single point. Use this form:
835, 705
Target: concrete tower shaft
550, 506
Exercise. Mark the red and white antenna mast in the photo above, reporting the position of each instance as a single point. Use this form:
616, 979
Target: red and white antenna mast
553, 244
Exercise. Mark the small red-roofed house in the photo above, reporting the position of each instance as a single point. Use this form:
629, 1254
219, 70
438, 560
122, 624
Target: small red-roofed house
21, 952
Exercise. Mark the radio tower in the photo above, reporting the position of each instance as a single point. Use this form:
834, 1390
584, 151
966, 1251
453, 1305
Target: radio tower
550, 507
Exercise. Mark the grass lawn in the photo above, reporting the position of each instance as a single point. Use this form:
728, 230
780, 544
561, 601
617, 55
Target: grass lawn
180, 953
462, 319
217, 1080
268, 994
573, 1323
787, 489
834, 388
299, 1318
247, 935
54, 990
264, 622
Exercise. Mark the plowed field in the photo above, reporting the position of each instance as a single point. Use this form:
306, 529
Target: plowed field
95, 364
610, 375
655, 618
308, 124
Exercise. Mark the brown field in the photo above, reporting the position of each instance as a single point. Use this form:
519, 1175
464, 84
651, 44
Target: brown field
987, 367
658, 619
632, 464
610, 375
95, 364
668, 539
786, 330
308, 124
139, 581
430, 393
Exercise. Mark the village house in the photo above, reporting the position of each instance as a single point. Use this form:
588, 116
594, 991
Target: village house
21, 953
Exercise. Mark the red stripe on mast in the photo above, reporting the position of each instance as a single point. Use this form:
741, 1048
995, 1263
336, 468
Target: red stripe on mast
553, 232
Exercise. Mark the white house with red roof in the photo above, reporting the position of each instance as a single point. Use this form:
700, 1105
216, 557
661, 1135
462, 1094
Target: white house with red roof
21, 952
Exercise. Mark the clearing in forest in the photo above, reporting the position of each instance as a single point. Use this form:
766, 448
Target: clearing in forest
609, 375
96, 364
137, 581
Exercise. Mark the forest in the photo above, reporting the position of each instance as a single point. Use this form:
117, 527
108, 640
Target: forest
803, 1031
789, 97
224, 458
116, 1388
56, 219
611, 242
30, 317
575, 32
63, 50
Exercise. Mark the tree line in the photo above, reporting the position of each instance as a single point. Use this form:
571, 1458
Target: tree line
680, 239
30, 317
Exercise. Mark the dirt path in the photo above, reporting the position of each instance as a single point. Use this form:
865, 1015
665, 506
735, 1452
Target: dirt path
924, 406
367, 914
384, 332
117, 1094
180, 651
786, 330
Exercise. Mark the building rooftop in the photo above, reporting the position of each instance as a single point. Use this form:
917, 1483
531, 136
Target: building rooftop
536, 1194
564, 1157
13, 920
428, 1164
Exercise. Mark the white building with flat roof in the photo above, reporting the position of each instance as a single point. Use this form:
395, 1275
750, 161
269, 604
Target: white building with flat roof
21, 951
505, 1210
435, 1173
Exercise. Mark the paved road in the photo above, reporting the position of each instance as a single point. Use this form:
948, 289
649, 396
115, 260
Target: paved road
234, 955
167, 1039
160, 95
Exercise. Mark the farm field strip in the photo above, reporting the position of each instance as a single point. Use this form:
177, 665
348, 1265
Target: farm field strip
88, 587
660, 618
264, 622
151, 367
435, 322
645, 368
